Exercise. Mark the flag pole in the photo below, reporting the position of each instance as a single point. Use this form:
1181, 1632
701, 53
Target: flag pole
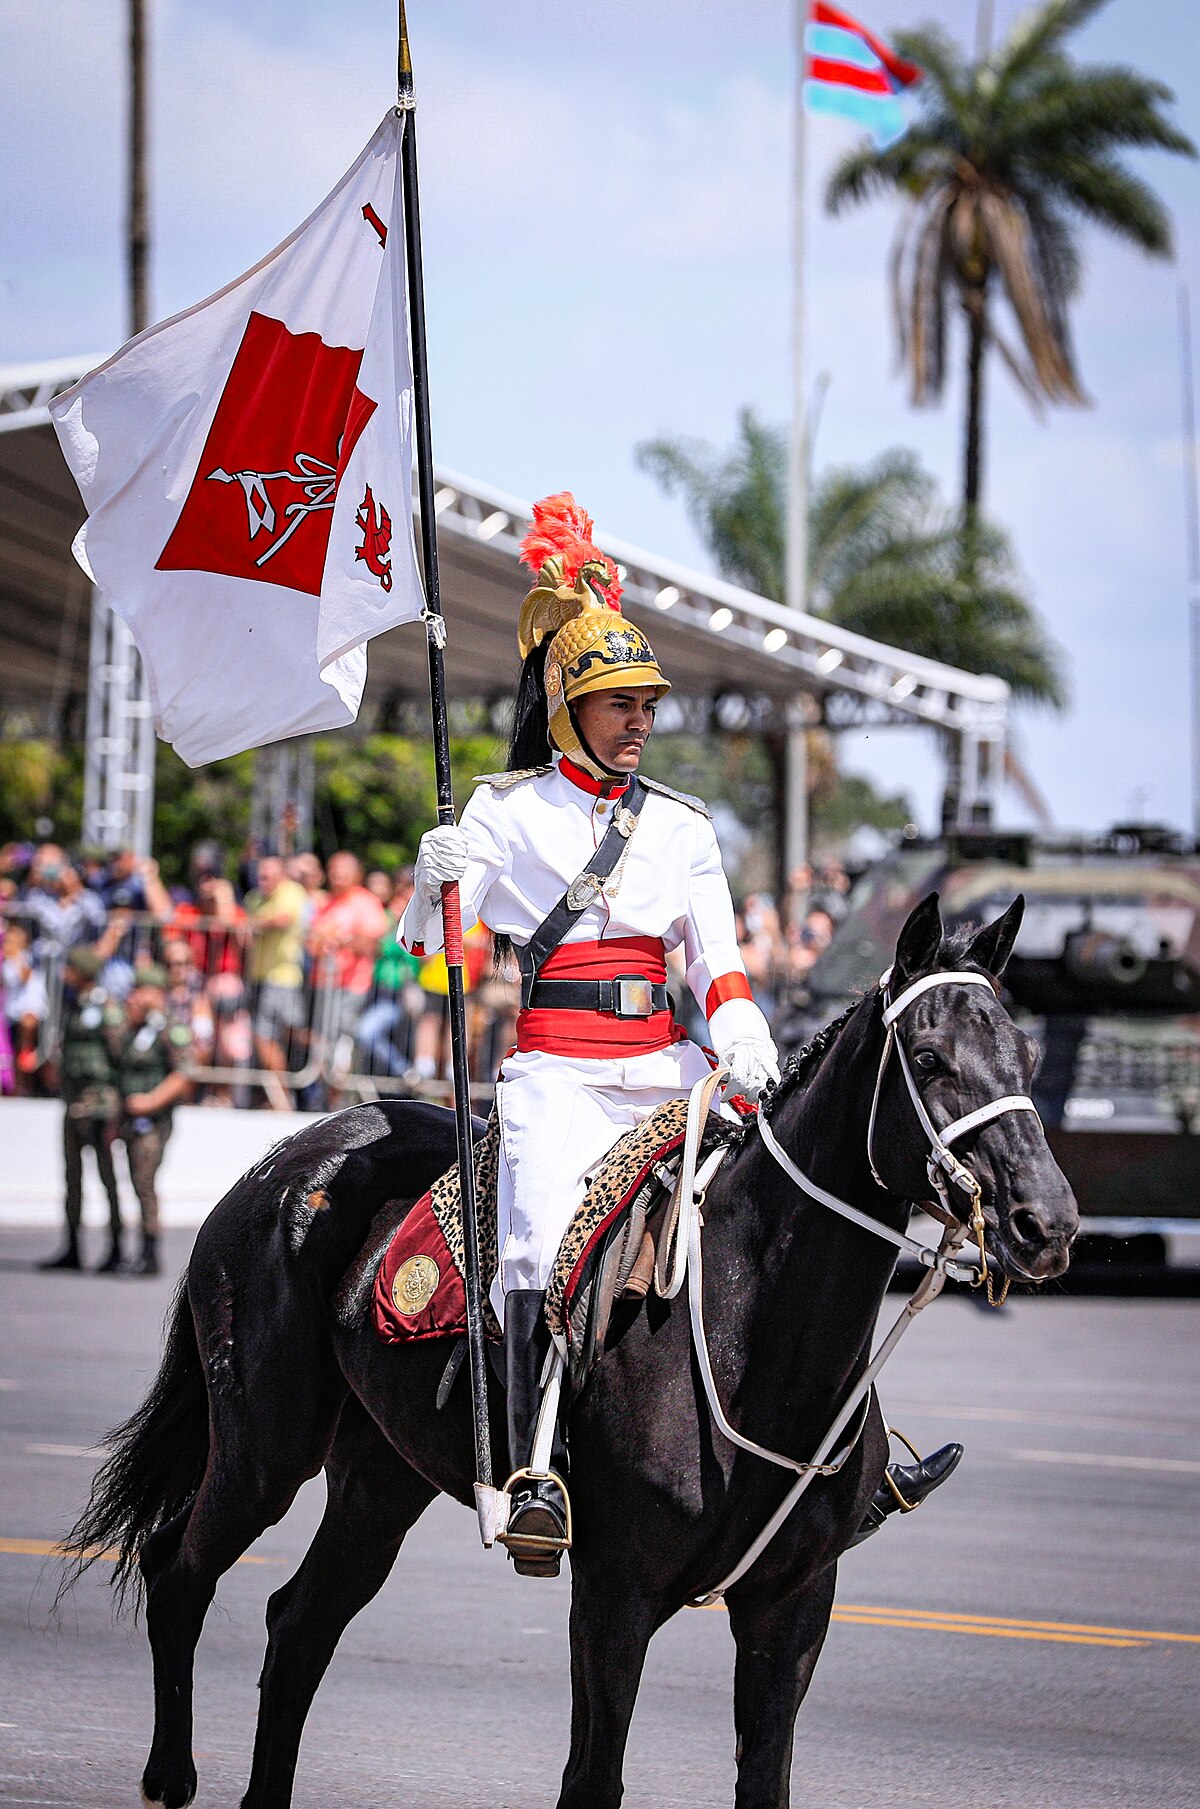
487, 1498
795, 823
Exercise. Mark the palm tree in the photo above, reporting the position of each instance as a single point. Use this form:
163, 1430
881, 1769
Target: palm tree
1008, 156
886, 558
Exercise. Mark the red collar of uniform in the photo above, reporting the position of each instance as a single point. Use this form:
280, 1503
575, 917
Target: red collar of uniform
599, 788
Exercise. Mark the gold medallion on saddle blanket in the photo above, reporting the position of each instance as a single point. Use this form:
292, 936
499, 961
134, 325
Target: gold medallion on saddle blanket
603, 1254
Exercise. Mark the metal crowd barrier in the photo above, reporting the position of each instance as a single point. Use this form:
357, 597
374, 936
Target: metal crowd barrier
311, 1046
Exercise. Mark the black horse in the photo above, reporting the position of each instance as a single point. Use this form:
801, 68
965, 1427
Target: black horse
272, 1371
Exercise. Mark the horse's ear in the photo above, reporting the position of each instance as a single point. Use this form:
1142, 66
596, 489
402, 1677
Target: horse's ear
993, 944
918, 943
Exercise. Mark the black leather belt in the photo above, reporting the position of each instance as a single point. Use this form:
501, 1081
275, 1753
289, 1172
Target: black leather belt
625, 996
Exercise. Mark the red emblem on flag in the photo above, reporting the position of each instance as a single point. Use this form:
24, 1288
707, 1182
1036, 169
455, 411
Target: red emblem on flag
372, 219
261, 502
375, 525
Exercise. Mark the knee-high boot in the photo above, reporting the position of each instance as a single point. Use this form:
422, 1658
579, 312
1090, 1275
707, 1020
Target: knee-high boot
539, 1519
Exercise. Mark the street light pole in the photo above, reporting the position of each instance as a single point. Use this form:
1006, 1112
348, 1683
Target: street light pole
119, 750
1191, 516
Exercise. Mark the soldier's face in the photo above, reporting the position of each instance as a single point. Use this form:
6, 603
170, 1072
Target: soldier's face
616, 725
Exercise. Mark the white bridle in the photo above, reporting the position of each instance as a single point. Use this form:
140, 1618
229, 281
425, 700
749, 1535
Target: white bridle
942, 1166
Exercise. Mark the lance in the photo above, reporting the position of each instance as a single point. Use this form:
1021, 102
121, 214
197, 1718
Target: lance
488, 1500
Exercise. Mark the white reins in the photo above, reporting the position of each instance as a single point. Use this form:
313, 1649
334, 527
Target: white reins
942, 1165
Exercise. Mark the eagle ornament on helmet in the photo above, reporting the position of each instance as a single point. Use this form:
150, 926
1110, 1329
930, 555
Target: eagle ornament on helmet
575, 607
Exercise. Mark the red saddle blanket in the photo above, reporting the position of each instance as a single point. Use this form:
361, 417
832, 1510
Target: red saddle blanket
419, 1285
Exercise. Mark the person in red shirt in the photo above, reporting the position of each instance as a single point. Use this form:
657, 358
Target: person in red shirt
343, 942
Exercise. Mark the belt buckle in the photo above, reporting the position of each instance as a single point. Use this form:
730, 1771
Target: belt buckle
634, 996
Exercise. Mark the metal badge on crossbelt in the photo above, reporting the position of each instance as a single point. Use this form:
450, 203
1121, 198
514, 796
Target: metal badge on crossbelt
583, 891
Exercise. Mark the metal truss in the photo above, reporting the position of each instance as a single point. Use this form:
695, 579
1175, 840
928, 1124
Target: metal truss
851, 680
27, 390
855, 680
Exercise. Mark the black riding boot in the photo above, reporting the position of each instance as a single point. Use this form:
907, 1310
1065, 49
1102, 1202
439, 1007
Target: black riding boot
146, 1262
114, 1260
539, 1518
68, 1256
905, 1486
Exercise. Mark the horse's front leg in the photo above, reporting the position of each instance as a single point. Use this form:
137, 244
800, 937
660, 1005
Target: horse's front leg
779, 1635
611, 1624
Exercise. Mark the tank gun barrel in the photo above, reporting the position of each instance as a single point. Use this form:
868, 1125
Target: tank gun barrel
1098, 958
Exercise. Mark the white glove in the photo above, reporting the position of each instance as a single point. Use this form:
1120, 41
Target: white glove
753, 1064
441, 859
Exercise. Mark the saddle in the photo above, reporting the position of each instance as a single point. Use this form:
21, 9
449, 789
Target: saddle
612, 1246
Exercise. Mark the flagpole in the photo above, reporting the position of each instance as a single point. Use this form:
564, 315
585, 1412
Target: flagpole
487, 1500
795, 826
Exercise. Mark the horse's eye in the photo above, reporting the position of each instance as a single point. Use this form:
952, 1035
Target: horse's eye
926, 1060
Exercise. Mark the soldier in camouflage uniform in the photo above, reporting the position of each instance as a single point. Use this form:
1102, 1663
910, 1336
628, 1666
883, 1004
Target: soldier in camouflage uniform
150, 1053
91, 1098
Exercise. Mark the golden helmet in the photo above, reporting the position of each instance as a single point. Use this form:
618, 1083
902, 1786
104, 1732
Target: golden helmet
576, 600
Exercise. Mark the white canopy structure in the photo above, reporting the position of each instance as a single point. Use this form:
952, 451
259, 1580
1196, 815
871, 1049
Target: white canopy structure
736, 660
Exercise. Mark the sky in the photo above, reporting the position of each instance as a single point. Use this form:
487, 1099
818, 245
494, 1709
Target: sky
605, 198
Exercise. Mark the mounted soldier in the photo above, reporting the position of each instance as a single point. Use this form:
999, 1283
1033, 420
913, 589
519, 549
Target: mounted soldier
593, 873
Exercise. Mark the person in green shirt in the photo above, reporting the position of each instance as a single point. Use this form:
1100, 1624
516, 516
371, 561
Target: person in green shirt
91, 1099
150, 1052
276, 910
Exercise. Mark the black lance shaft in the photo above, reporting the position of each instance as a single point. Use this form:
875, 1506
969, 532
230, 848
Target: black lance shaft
451, 911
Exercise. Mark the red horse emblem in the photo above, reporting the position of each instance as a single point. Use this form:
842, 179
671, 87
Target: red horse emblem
376, 526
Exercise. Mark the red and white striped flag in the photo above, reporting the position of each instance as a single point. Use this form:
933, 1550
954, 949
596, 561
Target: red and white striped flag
247, 471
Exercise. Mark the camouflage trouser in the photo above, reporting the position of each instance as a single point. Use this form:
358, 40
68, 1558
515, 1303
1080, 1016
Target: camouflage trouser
145, 1151
95, 1134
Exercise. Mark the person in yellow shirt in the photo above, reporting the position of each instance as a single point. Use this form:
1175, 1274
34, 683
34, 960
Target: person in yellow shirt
275, 968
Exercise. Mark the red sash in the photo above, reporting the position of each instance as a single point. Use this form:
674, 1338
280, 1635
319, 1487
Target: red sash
598, 1034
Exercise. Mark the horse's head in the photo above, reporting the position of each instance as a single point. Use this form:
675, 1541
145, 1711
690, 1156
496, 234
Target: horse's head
964, 1053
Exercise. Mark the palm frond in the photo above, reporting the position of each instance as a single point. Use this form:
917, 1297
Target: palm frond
1018, 368
927, 303
1037, 36
1113, 197
1094, 108
905, 167
1010, 245
946, 75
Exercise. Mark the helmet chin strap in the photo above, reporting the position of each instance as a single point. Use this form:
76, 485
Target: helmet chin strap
586, 758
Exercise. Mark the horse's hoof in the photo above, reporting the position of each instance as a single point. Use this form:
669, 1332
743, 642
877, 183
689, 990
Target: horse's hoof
157, 1793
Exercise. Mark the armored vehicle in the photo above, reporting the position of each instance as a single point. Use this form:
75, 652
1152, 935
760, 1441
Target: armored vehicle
1106, 976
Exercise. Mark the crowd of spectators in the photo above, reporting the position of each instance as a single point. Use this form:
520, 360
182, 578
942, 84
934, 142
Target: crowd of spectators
288, 978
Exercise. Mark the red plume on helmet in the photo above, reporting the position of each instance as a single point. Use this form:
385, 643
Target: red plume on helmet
562, 529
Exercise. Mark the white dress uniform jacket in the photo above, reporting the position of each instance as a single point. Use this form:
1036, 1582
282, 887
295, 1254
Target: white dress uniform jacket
560, 1113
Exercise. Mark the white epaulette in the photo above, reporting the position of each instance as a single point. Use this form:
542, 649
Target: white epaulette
502, 781
680, 797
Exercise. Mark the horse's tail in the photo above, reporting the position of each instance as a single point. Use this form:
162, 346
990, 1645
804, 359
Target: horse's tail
155, 1465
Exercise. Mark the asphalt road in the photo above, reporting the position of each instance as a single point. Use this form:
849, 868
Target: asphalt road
1031, 1638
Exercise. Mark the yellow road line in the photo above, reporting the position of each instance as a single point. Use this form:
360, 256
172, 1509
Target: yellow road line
45, 1548
1001, 1620
989, 1626
1109, 1460
932, 1625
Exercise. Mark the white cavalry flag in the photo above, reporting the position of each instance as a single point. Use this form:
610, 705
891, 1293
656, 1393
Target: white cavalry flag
247, 471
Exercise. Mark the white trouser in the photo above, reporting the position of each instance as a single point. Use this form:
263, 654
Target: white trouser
558, 1119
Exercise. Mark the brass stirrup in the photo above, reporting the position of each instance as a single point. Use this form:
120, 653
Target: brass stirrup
906, 1507
533, 1544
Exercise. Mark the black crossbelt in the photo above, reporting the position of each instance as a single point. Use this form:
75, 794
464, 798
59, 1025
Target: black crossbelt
583, 890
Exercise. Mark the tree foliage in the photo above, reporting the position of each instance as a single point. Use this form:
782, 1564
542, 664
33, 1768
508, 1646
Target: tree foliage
1008, 157
886, 557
